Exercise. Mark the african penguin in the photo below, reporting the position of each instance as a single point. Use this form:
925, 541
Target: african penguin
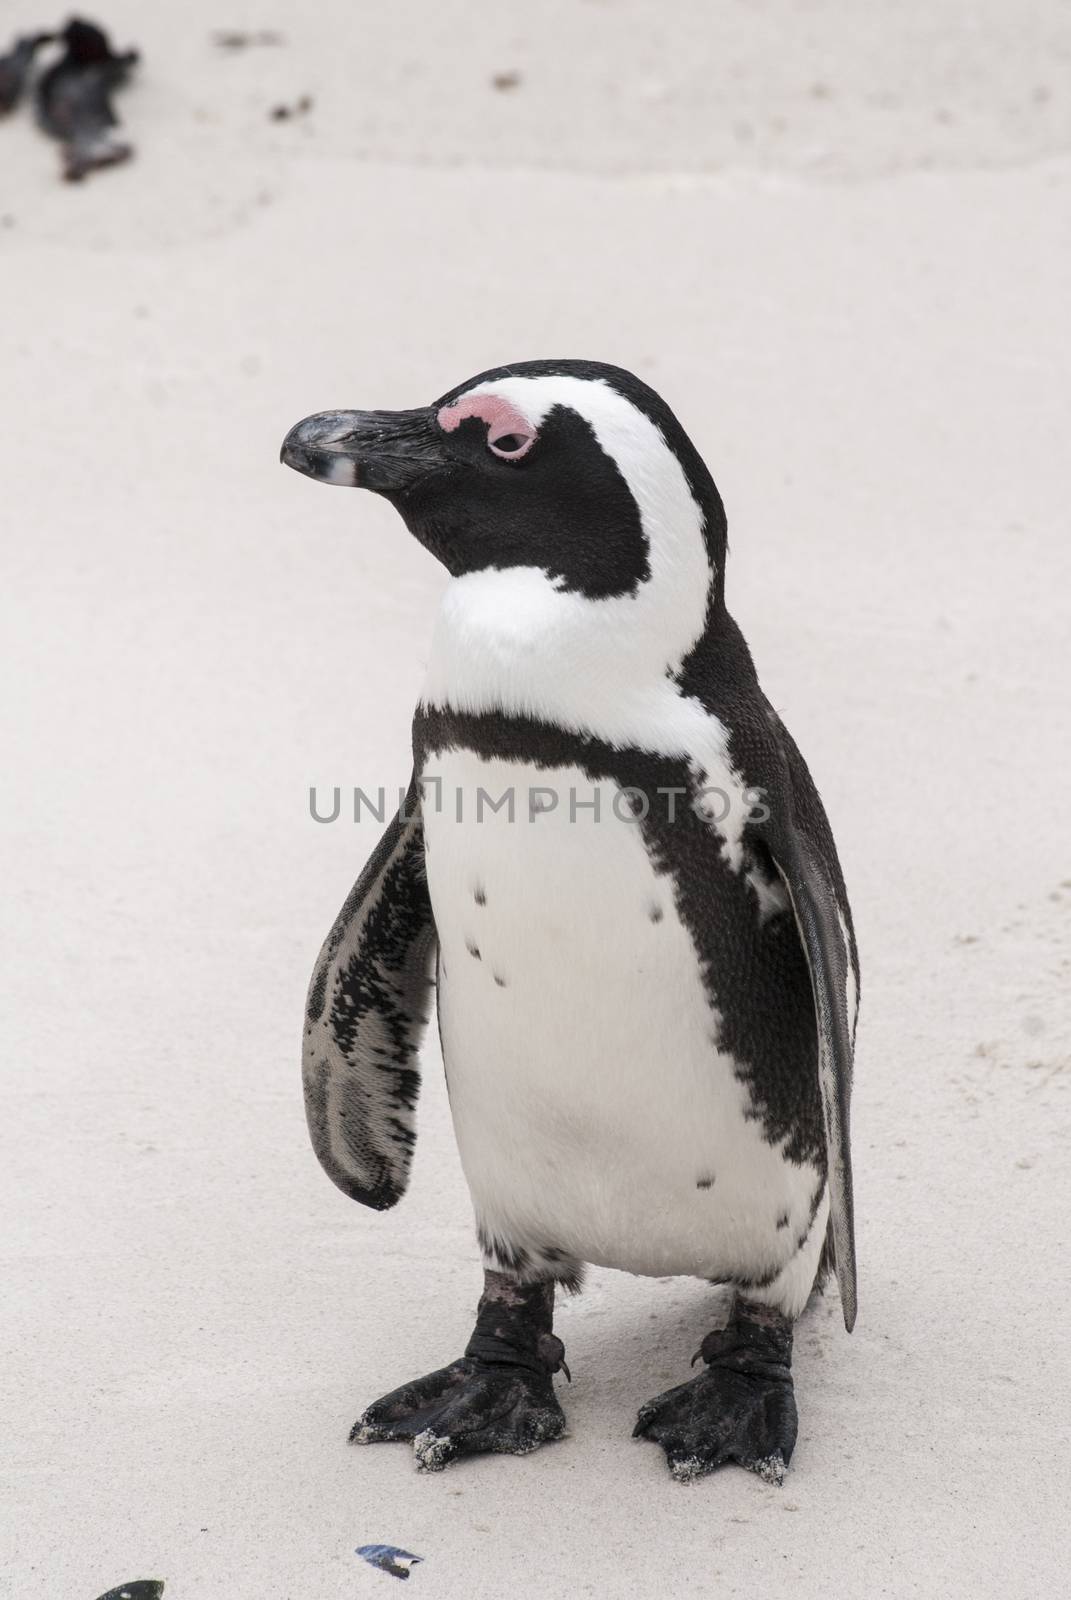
613, 868
74, 99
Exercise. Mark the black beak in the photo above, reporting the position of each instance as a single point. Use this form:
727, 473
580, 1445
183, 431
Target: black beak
385, 451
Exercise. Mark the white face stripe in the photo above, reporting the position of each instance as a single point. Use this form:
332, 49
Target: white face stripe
553, 635
514, 641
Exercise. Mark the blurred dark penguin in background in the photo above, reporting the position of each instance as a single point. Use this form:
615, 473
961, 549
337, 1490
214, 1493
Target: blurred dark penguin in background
74, 100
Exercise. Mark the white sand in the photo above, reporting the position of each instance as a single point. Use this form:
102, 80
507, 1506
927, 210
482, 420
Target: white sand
860, 312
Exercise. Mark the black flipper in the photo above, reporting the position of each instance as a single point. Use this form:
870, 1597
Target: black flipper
802, 850
368, 1007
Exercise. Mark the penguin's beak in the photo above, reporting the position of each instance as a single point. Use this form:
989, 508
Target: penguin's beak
385, 451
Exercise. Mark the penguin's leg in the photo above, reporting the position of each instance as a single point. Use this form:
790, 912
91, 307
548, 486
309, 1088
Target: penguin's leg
741, 1408
497, 1398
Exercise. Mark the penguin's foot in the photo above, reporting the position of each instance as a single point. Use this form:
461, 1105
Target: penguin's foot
741, 1409
468, 1408
497, 1398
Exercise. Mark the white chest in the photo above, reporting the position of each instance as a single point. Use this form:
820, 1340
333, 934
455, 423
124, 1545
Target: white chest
593, 1109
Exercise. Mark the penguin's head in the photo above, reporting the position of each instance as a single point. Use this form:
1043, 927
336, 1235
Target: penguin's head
562, 495
572, 467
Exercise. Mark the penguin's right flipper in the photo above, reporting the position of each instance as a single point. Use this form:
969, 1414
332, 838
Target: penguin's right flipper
368, 1007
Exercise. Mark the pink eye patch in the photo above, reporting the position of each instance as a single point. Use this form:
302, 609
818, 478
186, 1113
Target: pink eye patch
509, 433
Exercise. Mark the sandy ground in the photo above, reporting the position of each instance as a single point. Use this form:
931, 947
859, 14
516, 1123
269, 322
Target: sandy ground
838, 239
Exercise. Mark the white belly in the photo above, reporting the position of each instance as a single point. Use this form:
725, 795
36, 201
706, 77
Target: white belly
593, 1110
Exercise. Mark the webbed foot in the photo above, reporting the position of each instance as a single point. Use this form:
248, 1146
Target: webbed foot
741, 1409
497, 1398
467, 1408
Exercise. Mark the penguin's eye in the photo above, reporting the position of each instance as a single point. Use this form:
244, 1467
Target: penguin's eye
510, 446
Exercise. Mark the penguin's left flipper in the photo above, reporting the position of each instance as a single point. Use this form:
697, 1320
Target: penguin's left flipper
826, 941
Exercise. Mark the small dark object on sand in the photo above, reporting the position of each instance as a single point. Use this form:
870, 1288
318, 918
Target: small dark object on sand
140, 1589
283, 113
387, 1557
15, 68
504, 81
239, 39
74, 100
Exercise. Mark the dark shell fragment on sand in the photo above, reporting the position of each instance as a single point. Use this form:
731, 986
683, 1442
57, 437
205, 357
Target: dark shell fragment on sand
388, 1558
140, 1589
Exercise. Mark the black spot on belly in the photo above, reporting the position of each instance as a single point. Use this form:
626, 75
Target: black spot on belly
782, 1221
656, 913
479, 895
473, 949
704, 1183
